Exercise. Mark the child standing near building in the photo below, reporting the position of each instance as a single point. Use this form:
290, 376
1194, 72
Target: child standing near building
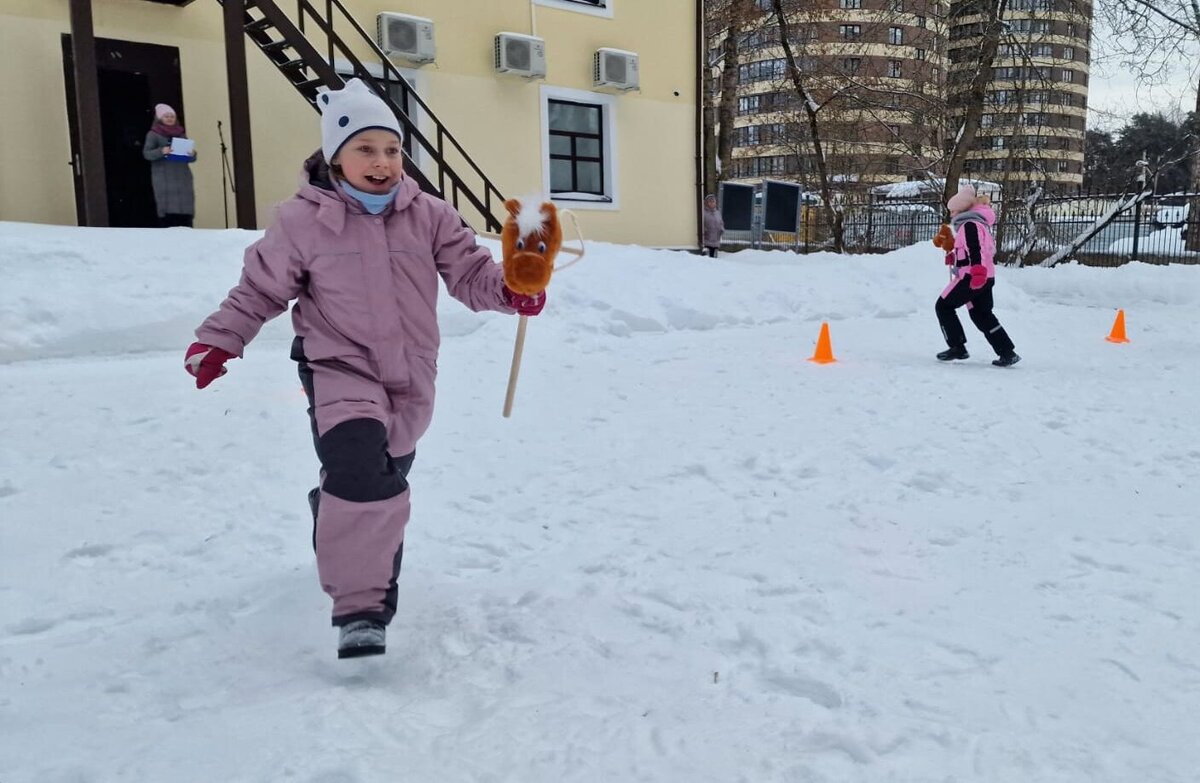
973, 270
714, 226
361, 249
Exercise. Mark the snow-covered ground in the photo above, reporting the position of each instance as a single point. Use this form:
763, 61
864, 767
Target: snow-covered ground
691, 555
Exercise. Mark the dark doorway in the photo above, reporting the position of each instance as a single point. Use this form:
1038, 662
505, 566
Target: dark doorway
133, 77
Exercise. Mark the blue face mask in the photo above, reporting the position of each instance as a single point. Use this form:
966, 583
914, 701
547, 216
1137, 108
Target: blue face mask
372, 202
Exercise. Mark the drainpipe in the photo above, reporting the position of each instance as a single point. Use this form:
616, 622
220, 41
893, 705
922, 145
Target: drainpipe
701, 63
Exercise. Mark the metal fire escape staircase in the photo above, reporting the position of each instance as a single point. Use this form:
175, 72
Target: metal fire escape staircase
309, 45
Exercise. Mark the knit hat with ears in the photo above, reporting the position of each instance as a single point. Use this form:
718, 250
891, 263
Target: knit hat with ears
161, 110
963, 200
351, 110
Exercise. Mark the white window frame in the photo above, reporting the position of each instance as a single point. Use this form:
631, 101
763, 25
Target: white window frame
609, 115
565, 5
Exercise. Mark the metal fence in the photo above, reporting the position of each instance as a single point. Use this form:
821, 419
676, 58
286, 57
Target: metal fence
1163, 229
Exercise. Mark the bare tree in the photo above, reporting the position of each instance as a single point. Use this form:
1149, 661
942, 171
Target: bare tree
726, 23
971, 100
811, 107
1152, 37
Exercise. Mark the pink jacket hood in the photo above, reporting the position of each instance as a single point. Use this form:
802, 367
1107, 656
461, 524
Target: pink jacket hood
982, 211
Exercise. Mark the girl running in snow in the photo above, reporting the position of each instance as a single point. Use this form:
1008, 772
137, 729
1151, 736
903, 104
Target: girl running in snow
361, 248
972, 258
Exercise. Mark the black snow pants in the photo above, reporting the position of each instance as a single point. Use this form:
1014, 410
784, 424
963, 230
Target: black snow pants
979, 308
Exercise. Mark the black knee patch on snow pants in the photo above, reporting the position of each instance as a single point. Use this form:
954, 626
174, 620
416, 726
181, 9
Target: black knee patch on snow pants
357, 465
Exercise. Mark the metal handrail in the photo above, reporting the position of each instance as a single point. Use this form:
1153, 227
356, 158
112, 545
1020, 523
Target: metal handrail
389, 69
326, 72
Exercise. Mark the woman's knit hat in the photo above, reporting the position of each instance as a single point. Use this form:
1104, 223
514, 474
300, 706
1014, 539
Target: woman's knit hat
963, 200
162, 110
351, 110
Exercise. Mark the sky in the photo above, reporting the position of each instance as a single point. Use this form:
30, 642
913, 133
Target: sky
1115, 94
1115, 91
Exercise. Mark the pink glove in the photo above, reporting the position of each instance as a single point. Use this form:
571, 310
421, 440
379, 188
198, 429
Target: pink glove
205, 363
979, 277
524, 305
949, 258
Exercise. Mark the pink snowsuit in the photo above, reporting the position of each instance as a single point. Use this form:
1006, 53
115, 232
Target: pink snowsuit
972, 264
367, 342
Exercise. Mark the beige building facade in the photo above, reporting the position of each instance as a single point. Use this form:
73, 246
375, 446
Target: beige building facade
625, 160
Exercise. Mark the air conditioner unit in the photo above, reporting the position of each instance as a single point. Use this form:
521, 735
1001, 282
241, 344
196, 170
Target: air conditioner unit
523, 55
615, 69
404, 36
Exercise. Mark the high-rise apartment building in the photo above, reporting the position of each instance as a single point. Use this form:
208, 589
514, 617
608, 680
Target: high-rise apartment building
1035, 115
890, 77
875, 67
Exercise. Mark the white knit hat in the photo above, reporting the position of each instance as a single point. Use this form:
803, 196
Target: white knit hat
350, 110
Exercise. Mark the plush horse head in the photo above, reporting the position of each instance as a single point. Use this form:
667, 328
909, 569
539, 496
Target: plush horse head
944, 238
530, 240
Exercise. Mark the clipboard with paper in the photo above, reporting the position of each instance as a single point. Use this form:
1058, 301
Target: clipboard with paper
181, 150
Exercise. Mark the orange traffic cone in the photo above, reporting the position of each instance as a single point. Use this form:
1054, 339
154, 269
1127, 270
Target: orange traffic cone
1117, 335
824, 352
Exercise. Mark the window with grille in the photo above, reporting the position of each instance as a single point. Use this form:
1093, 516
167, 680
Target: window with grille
894, 69
851, 5
850, 32
896, 35
576, 147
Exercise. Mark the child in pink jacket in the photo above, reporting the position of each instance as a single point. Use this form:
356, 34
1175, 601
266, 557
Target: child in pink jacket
360, 248
973, 270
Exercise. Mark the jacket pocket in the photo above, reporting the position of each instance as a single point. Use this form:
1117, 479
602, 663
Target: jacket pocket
417, 410
337, 285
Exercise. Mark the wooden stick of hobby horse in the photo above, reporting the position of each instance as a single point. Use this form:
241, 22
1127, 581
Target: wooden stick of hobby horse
519, 345
518, 349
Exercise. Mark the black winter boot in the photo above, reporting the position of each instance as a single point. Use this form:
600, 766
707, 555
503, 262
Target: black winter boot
1007, 360
954, 352
362, 637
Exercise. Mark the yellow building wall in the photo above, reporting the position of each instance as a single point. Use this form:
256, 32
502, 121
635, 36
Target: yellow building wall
496, 117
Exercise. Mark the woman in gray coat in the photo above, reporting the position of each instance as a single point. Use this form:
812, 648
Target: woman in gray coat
714, 225
171, 177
